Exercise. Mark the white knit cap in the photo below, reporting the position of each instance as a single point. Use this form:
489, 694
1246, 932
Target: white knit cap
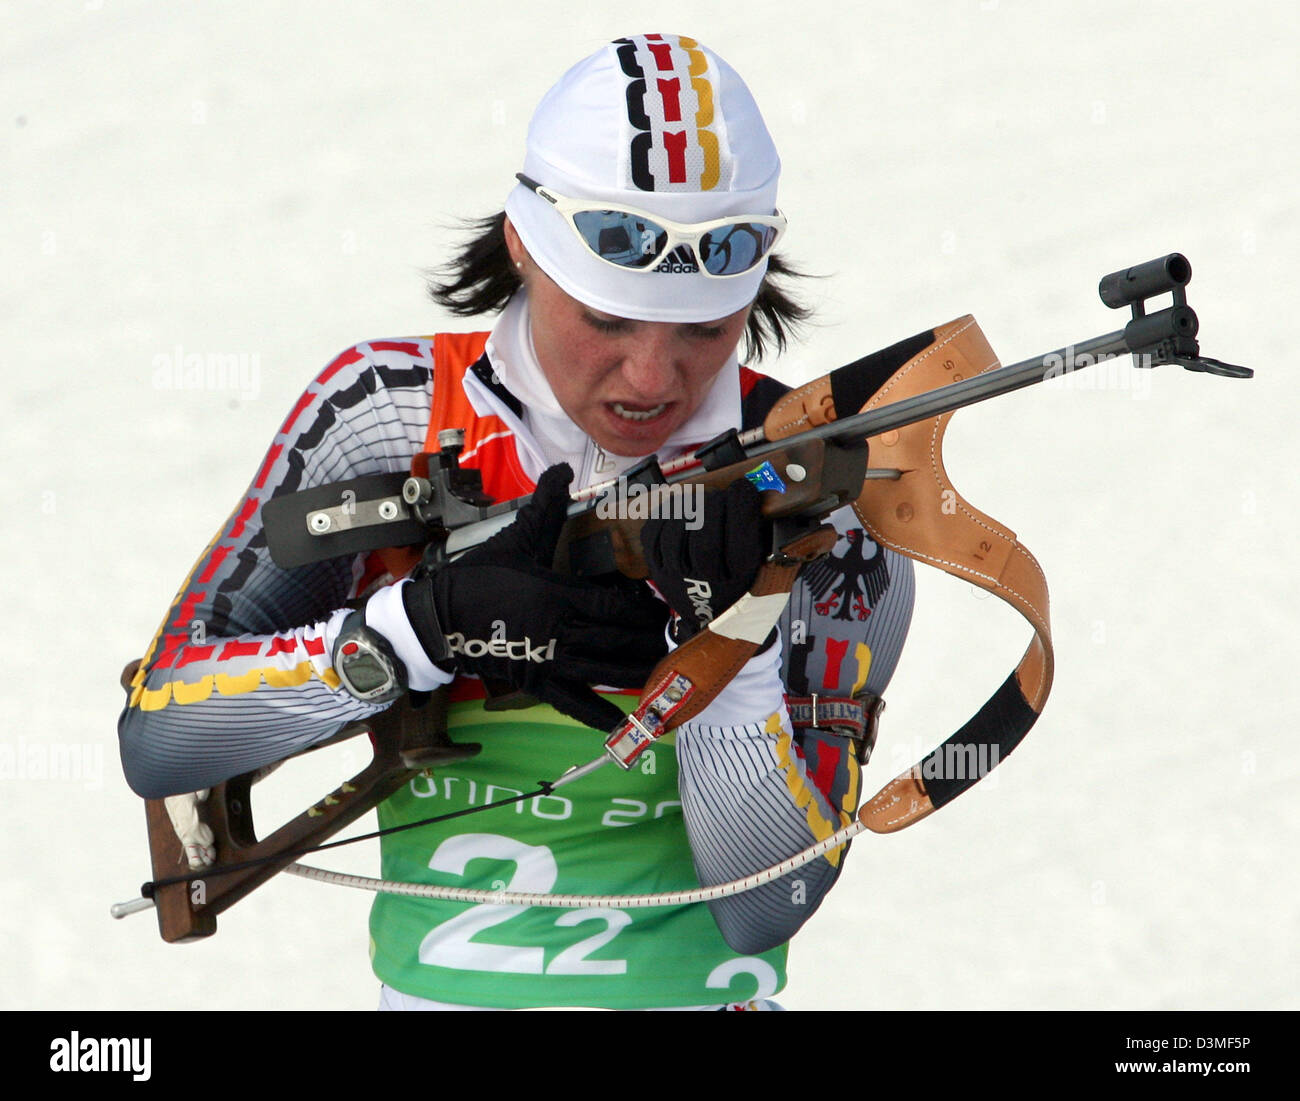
660, 123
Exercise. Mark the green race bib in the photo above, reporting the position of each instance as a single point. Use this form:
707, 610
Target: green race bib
610, 833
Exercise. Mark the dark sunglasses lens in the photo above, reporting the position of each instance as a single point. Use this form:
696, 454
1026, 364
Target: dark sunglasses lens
627, 240
736, 248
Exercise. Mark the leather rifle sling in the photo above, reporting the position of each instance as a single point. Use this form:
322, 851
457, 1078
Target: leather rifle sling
922, 516
690, 677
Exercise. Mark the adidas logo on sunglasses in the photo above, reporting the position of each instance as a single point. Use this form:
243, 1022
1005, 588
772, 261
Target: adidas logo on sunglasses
680, 261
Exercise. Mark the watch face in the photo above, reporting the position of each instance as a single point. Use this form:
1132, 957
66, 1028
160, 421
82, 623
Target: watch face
367, 672
366, 664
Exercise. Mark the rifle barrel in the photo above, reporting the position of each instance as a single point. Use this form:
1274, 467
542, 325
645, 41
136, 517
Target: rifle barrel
969, 391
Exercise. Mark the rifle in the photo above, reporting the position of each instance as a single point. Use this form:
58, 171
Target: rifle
810, 461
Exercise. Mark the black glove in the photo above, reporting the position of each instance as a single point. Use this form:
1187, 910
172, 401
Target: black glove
701, 573
561, 634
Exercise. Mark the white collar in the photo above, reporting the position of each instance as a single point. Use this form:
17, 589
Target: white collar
546, 436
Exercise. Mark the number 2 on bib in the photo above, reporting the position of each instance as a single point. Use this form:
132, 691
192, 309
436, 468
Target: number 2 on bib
451, 944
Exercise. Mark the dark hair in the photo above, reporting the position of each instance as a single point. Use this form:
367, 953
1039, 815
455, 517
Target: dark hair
481, 279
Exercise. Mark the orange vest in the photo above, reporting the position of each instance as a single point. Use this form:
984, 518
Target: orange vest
489, 441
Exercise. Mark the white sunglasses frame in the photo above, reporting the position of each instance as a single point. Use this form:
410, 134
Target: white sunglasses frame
679, 233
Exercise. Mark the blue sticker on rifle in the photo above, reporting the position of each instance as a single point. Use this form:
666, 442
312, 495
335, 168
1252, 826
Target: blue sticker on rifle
766, 477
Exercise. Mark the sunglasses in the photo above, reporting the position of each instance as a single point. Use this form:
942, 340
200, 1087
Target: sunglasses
635, 240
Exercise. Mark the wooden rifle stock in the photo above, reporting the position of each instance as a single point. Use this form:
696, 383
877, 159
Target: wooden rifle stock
403, 738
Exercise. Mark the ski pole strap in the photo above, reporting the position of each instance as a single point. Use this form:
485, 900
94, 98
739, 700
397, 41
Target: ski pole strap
688, 679
922, 516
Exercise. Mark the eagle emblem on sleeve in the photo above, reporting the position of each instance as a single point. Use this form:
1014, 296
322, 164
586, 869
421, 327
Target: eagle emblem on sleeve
848, 586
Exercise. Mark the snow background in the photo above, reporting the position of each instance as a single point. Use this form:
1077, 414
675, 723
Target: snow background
269, 180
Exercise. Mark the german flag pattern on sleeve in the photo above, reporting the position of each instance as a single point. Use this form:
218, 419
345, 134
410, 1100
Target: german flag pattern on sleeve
238, 675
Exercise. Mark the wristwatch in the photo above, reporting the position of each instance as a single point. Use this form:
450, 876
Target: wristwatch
366, 664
